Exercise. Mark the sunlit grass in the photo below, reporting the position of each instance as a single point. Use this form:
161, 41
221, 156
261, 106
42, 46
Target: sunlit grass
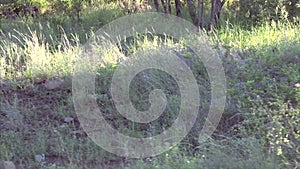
29, 50
259, 38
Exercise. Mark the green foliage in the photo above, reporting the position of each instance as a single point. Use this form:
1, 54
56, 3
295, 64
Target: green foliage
70, 7
42, 5
264, 86
232, 153
293, 8
262, 68
277, 124
260, 11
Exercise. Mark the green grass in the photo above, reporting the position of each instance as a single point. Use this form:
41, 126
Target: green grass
262, 67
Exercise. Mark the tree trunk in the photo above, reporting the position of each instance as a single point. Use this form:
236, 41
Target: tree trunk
169, 6
212, 14
178, 8
156, 5
202, 12
199, 13
192, 11
216, 7
164, 5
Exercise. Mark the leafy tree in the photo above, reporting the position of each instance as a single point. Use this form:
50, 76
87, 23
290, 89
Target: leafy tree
259, 11
293, 8
70, 7
216, 8
197, 13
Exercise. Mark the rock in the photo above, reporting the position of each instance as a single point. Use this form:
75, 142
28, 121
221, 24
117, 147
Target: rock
102, 96
54, 84
9, 165
40, 157
68, 119
13, 118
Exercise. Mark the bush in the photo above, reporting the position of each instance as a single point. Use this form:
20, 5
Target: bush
257, 12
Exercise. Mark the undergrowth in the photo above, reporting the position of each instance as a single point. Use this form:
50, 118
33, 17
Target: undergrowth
263, 74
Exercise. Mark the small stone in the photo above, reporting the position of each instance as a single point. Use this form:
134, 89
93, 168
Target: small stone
54, 84
15, 118
68, 119
102, 96
9, 165
40, 157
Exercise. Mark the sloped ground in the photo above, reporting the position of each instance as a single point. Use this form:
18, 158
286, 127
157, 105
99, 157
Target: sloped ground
259, 129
